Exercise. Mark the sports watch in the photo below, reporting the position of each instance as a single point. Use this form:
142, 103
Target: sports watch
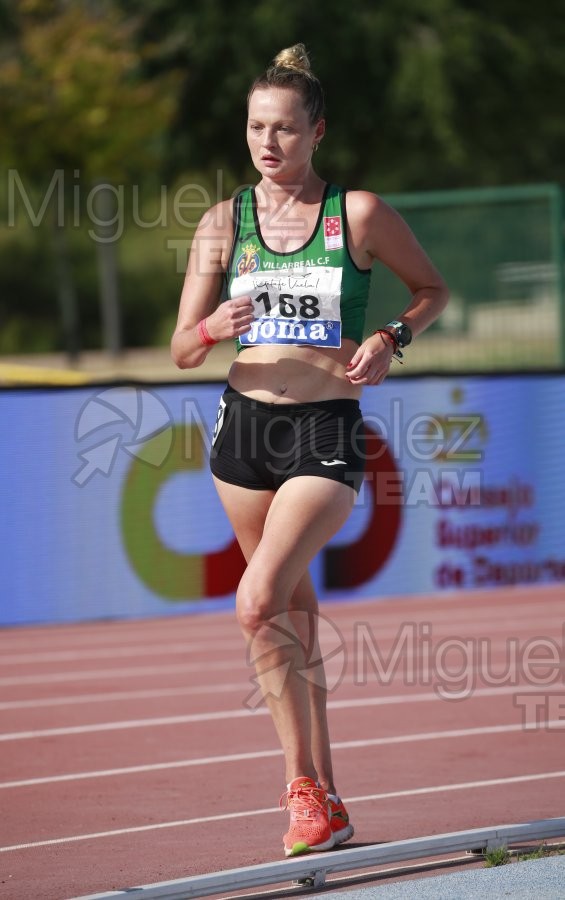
400, 332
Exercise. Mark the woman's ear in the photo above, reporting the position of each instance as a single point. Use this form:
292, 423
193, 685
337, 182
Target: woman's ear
319, 132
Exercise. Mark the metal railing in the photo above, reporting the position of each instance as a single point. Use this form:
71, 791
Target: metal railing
501, 251
317, 866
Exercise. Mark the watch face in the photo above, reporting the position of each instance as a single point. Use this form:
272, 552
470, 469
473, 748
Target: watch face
401, 332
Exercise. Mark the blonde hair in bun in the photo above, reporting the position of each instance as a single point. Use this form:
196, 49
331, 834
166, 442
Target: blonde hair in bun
295, 58
291, 69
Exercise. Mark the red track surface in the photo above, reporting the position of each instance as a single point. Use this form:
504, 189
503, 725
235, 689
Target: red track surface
83, 706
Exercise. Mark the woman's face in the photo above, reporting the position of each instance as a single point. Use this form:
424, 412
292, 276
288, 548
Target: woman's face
279, 133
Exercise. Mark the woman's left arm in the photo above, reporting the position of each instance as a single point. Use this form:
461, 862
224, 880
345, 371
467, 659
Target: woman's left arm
377, 231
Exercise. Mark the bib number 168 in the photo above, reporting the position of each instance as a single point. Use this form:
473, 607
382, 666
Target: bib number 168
306, 306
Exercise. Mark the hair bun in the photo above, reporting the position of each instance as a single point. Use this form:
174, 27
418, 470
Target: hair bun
291, 69
294, 58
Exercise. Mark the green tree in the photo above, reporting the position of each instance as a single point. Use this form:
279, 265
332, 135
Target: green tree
76, 105
421, 93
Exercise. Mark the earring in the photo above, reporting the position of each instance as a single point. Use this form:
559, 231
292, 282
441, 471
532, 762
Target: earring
315, 147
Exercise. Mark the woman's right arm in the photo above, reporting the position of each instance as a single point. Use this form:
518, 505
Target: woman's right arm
200, 299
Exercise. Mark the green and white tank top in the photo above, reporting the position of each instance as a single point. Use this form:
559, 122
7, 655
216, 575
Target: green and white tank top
313, 296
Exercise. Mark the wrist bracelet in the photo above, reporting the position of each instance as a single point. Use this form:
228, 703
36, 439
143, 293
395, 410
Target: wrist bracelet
205, 337
387, 334
397, 353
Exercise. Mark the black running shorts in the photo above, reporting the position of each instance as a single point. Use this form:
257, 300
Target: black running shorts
260, 445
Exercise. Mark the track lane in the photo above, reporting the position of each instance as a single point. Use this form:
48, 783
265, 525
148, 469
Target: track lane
420, 785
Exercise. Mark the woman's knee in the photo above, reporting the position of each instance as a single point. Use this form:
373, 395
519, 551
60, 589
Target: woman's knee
255, 603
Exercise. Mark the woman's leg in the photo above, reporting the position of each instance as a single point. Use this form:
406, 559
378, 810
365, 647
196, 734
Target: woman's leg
279, 535
305, 603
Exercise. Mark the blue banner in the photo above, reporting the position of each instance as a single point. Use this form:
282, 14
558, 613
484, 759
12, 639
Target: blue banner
109, 509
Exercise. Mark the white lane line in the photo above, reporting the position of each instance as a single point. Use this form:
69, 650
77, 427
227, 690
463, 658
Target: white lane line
265, 754
201, 820
125, 672
229, 637
152, 767
239, 659
439, 631
385, 610
32, 658
219, 715
420, 677
124, 725
116, 696
121, 632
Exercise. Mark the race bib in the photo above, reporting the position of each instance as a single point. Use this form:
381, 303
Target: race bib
300, 305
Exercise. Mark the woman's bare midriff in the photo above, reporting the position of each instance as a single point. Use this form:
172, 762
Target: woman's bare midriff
294, 374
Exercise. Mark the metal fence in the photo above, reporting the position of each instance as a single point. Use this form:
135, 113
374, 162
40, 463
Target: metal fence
501, 250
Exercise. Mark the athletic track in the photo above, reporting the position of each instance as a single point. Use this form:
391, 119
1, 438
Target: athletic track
128, 755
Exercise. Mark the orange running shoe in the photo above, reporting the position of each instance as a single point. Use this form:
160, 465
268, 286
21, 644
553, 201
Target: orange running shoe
340, 824
310, 827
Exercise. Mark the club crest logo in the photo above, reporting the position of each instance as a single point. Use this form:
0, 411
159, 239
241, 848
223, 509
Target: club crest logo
248, 262
333, 238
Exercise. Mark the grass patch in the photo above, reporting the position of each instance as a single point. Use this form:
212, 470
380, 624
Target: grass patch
499, 856
541, 852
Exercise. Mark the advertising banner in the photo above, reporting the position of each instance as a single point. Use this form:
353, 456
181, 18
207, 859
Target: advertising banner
109, 509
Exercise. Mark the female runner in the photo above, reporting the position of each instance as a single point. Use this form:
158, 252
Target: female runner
284, 269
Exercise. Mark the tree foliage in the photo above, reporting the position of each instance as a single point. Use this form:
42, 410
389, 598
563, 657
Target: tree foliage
74, 96
420, 93
75, 100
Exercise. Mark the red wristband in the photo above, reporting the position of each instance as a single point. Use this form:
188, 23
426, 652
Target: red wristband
205, 337
396, 352
387, 334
